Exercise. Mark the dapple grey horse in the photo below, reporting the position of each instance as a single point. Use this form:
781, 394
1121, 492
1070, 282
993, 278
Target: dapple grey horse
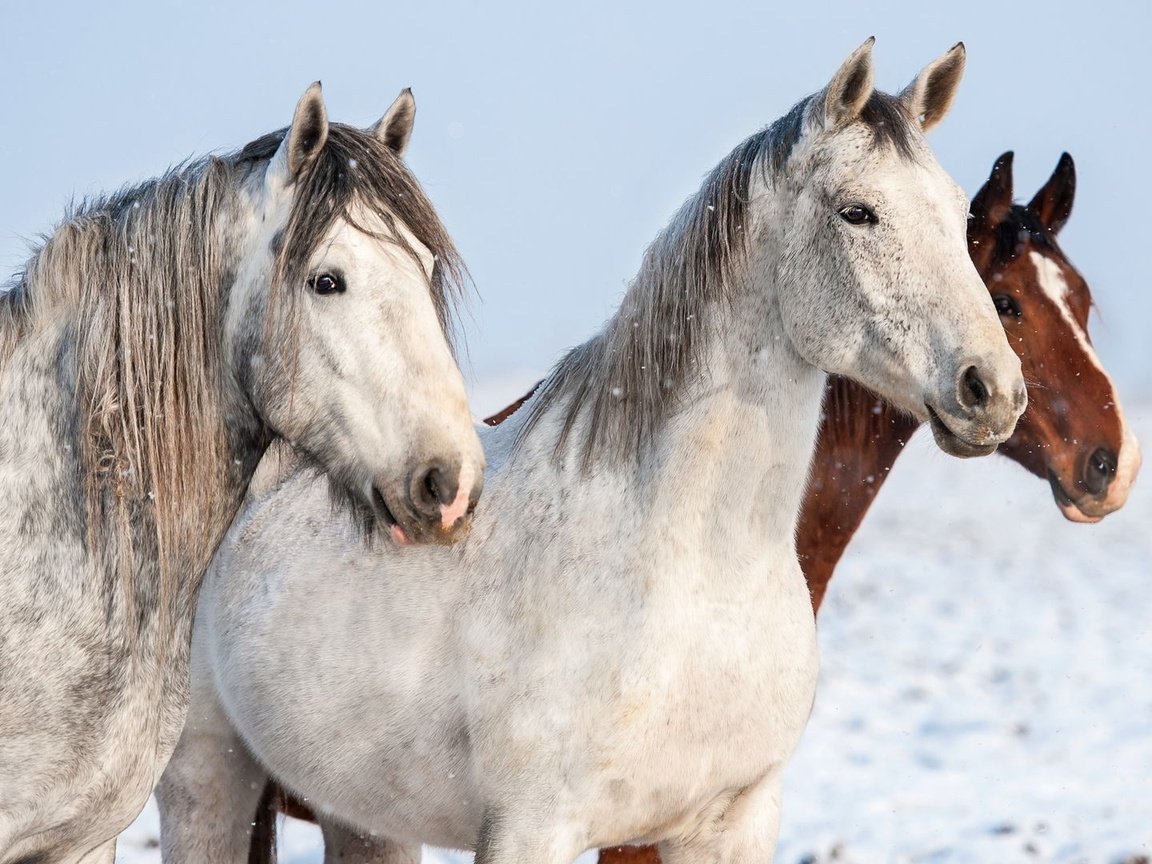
156, 342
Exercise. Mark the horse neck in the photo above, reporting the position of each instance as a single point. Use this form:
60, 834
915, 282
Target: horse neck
733, 460
861, 436
708, 439
42, 431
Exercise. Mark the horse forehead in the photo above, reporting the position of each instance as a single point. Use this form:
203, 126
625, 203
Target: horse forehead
922, 178
1056, 285
365, 232
857, 160
1056, 288
1092, 379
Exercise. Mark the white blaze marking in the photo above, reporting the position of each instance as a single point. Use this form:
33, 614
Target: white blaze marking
1055, 287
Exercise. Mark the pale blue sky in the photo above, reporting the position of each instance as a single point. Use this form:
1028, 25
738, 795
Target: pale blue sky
557, 139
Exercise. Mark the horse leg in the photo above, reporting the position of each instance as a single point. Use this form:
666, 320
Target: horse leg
751, 826
345, 845
506, 837
744, 831
210, 791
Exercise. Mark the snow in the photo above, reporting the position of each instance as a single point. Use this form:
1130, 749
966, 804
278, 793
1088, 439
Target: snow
986, 693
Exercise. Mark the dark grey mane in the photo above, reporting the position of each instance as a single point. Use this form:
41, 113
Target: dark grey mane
630, 377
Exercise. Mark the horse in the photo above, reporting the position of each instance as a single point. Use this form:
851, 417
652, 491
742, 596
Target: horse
151, 348
1073, 428
1074, 434
517, 693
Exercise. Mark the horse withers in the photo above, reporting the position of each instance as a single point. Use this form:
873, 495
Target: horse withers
624, 647
155, 343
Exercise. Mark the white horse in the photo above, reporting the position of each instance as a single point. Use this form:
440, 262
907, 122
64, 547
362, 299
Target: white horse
155, 343
517, 694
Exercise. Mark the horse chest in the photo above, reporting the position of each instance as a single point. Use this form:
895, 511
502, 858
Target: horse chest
692, 690
724, 688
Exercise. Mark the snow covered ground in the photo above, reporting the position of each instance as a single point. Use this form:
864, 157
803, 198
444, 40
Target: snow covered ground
986, 693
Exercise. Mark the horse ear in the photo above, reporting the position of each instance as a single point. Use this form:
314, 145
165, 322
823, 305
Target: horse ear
394, 129
850, 88
930, 95
994, 199
1053, 203
305, 139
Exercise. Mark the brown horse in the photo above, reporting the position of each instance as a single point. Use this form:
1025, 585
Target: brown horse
1073, 433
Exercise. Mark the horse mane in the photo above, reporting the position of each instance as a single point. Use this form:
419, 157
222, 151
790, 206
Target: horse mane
631, 376
139, 282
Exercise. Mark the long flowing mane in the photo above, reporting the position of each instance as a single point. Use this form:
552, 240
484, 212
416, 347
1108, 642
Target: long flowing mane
138, 281
631, 376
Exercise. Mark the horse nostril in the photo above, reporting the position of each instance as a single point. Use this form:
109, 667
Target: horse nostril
1100, 470
431, 488
973, 393
432, 485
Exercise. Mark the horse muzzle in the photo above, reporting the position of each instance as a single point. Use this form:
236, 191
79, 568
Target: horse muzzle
1100, 484
980, 412
435, 504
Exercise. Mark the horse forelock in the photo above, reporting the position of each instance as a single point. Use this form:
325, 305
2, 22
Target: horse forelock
356, 169
630, 378
891, 125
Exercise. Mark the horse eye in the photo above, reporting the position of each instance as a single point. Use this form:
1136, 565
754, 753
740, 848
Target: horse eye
325, 284
1006, 305
857, 214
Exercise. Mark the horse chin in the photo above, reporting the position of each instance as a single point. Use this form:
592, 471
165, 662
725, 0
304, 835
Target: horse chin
953, 444
1067, 506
